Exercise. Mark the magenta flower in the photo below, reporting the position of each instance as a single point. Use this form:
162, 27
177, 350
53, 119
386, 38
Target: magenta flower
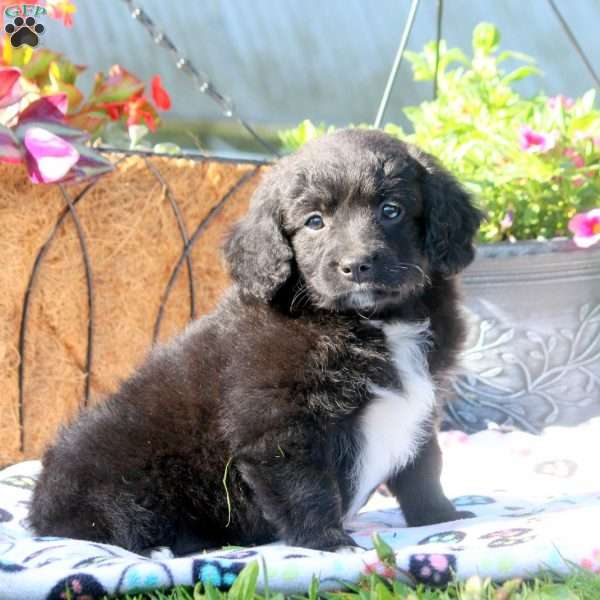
51, 150
560, 100
574, 157
586, 228
49, 157
533, 141
507, 220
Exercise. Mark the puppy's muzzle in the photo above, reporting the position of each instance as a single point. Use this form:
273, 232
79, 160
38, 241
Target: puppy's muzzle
358, 269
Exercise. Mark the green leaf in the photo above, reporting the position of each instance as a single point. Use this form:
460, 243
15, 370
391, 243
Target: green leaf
506, 54
313, 589
588, 99
384, 551
486, 38
167, 148
382, 592
210, 592
520, 73
244, 586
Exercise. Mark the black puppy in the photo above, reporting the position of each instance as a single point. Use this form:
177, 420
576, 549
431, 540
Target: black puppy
315, 380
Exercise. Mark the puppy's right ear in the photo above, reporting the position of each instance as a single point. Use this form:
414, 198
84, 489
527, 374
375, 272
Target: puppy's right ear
258, 254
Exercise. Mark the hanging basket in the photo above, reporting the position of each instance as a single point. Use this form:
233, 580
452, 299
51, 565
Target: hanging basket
93, 274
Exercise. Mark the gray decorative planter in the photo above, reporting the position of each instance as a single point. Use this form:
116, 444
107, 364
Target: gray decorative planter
533, 353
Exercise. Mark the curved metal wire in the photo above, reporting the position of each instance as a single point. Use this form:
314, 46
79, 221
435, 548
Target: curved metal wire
184, 238
438, 38
565, 26
87, 263
397, 62
37, 263
202, 226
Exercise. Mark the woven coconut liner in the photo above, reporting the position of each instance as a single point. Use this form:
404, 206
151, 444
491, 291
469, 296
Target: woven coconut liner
134, 243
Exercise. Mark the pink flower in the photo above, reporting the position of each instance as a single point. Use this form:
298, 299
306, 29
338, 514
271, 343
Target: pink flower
560, 100
533, 141
49, 158
574, 157
586, 228
507, 220
51, 150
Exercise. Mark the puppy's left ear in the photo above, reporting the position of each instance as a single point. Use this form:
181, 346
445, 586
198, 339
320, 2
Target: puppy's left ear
258, 253
451, 220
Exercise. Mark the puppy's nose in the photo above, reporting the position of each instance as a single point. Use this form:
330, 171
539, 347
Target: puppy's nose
356, 268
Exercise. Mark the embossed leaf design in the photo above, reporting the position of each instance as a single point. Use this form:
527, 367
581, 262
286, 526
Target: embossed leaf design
507, 336
508, 358
493, 372
538, 382
534, 337
584, 311
591, 384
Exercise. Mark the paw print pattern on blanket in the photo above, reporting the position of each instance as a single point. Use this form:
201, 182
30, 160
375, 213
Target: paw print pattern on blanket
219, 573
502, 542
444, 537
5, 516
79, 586
432, 569
509, 537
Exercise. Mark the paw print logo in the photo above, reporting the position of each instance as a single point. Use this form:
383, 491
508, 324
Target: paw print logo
444, 537
432, 569
24, 31
508, 537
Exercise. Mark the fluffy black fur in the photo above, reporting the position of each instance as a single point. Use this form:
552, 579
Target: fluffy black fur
267, 391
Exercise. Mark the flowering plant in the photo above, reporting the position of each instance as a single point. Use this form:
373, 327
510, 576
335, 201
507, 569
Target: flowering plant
45, 120
533, 163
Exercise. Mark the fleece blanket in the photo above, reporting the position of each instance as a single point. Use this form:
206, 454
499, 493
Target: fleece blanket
536, 500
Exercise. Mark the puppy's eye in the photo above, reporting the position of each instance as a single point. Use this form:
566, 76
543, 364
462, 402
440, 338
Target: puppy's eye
391, 211
315, 222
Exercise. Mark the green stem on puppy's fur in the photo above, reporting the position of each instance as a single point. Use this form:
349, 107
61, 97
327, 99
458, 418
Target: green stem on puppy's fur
227, 492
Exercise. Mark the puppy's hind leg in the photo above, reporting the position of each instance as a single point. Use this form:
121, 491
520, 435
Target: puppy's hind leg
419, 491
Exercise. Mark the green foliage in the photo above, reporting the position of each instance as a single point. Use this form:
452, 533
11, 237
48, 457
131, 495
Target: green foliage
579, 585
532, 163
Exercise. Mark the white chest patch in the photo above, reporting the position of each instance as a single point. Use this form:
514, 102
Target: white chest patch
392, 426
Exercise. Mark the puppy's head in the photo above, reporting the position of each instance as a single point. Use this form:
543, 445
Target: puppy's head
359, 218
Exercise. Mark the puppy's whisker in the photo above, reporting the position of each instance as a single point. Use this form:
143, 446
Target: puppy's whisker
407, 266
300, 295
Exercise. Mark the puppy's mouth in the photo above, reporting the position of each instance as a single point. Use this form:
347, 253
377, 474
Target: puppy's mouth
366, 297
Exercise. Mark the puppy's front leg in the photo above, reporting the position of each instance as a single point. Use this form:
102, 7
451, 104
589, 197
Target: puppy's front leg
299, 499
419, 491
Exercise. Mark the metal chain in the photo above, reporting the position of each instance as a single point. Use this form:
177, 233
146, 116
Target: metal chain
200, 78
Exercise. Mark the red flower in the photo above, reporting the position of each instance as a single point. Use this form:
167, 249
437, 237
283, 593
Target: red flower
113, 109
159, 94
138, 110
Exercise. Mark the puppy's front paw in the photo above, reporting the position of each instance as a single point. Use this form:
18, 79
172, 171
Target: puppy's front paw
329, 540
440, 516
463, 514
